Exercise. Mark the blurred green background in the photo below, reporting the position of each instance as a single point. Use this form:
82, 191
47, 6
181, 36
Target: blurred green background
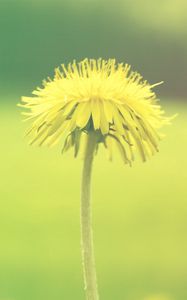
140, 213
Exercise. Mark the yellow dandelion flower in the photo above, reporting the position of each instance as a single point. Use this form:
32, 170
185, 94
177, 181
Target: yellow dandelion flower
98, 96
90, 103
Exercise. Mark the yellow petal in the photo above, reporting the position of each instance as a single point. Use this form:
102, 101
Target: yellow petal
83, 114
104, 123
57, 123
69, 107
95, 108
137, 138
118, 121
108, 109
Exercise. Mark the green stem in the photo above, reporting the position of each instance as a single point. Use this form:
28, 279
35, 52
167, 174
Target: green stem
90, 279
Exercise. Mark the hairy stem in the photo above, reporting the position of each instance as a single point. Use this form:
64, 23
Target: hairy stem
88, 259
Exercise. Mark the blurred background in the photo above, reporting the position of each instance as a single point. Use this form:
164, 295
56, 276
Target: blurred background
140, 213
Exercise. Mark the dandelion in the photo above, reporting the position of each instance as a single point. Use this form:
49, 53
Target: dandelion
87, 104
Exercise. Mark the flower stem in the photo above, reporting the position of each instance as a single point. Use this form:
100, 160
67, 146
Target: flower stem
88, 260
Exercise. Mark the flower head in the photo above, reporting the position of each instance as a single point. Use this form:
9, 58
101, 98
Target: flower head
100, 96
